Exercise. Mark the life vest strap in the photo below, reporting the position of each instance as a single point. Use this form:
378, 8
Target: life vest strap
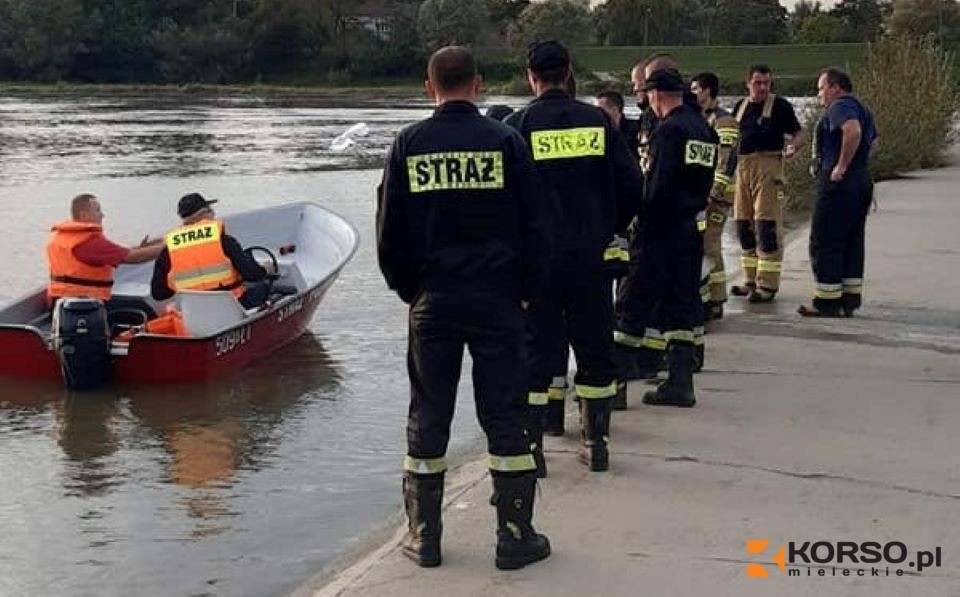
82, 281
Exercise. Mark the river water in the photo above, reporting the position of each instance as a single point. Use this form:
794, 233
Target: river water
247, 486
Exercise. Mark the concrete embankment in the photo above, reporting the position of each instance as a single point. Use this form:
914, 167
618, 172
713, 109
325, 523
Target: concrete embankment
806, 431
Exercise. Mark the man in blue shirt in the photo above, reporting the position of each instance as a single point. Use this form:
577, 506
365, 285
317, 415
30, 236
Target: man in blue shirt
842, 144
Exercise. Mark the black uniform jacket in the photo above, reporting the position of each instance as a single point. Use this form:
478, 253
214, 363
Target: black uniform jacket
586, 167
460, 208
683, 154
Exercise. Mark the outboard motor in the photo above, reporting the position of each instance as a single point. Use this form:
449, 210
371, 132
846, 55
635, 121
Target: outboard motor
81, 339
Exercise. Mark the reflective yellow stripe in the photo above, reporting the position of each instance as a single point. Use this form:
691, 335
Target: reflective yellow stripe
827, 294
764, 265
748, 261
701, 225
556, 393
728, 136
852, 285
626, 339
537, 398
568, 143
203, 275
424, 466
655, 343
718, 277
616, 254
698, 336
455, 170
721, 179
510, 464
679, 335
596, 392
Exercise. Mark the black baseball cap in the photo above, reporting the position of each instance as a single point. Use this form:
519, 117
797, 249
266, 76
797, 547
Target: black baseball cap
664, 80
547, 55
192, 203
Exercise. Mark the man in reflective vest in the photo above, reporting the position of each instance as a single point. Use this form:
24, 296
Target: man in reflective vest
81, 259
200, 255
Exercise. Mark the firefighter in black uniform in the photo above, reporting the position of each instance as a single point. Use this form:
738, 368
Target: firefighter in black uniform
842, 144
683, 154
587, 169
462, 236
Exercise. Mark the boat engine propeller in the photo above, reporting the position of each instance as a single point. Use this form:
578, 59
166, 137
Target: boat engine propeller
81, 339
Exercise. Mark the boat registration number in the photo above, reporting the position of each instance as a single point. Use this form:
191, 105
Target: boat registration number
229, 341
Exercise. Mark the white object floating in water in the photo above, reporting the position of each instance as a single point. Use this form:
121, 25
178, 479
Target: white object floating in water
345, 140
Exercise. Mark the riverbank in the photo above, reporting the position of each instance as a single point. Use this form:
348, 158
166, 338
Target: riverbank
806, 431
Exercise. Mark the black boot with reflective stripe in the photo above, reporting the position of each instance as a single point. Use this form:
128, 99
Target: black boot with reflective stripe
677, 390
423, 499
595, 433
518, 544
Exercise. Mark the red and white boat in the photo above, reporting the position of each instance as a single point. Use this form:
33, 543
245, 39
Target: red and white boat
310, 245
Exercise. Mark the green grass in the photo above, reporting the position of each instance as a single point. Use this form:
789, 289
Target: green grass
786, 61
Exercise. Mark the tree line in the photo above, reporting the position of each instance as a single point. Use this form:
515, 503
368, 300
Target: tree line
323, 41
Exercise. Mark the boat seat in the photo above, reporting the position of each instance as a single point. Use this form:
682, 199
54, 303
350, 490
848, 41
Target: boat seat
206, 312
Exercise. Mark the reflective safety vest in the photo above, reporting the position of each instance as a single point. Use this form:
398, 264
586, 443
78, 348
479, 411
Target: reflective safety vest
197, 260
68, 275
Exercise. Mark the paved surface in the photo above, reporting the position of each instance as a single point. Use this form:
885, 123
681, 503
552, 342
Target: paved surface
824, 430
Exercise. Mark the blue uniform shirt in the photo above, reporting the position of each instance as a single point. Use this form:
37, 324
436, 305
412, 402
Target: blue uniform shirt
830, 135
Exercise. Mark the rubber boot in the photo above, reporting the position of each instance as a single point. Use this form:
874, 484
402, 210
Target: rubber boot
536, 415
595, 433
677, 389
620, 398
553, 425
423, 499
518, 544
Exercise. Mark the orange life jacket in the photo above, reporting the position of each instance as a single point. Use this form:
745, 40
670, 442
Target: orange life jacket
197, 260
68, 275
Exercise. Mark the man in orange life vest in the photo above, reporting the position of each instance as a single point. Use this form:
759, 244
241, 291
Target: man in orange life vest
81, 259
200, 255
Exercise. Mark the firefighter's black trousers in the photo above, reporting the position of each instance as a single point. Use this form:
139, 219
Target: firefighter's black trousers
662, 288
490, 325
837, 235
577, 308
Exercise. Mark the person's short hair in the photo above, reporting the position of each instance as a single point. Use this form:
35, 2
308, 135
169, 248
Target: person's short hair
614, 97
660, 61
451, 68
550, 61
708, 81
80, 204
499, 111
837, 77
762, 69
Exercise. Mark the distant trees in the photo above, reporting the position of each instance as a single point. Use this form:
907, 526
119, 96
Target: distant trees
939, 18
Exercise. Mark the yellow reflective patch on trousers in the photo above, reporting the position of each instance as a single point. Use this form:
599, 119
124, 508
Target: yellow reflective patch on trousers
679, 336
764, 265
568, 143
556, 393
455, 170
700, 153
424, 466
510, 464
538, 398
596, 392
